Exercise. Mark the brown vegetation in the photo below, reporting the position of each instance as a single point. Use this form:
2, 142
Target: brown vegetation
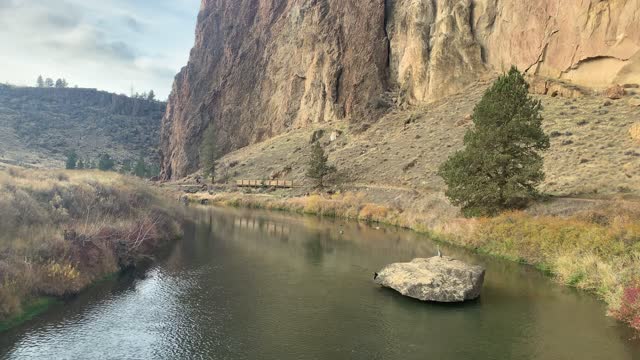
61, 231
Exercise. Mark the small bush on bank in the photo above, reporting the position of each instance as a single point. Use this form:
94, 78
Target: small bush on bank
629, 310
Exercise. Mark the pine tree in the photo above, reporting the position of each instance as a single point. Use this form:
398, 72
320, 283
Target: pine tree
151, 96
40, 81
318, 168
106, 163
59, 83
49, 82
126, 167
500, 166
140, 169
208, 152
72, 160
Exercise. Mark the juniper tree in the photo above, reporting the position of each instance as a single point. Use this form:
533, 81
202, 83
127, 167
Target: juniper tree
106, 163
208, 152
72, 160
318, 167
140, 170
500, 165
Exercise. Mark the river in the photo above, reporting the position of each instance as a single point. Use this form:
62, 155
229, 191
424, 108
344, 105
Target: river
256, 285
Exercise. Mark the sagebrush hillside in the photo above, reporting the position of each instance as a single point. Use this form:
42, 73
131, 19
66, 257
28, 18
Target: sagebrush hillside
592, 150
38, 126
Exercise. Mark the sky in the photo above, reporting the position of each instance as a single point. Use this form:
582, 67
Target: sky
112, 45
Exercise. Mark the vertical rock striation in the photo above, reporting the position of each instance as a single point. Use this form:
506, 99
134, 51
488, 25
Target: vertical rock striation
261, 67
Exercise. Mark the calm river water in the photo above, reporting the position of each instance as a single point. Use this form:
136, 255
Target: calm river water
254, 285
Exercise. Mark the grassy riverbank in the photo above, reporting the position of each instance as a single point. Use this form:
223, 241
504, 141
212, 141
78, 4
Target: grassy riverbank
64, 230
596, 248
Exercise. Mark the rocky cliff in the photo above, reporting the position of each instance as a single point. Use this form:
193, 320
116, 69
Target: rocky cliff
262, 67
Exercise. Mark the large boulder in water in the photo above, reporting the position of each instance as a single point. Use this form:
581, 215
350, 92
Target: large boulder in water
439, 279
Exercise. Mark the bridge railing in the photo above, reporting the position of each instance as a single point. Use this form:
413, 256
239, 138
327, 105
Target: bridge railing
286, 184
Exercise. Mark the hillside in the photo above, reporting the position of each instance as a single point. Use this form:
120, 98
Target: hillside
38, 126
395, 159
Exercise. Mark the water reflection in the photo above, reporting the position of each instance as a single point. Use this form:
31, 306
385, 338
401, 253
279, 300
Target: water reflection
251, 285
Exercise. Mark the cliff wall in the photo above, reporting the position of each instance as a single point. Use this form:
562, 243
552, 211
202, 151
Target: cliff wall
262, 67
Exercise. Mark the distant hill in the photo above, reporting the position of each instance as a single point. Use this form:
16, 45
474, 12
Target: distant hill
39, 126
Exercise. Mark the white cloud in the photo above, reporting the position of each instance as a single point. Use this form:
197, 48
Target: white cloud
108, 44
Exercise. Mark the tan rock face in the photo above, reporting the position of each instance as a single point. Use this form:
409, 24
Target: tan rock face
261, 67
634, 131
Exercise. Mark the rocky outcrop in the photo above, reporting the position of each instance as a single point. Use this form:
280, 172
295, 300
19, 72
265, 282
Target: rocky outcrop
438, 279
262, 67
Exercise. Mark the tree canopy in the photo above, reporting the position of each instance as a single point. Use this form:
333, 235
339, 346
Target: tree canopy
500, 166
318, 168
208, 151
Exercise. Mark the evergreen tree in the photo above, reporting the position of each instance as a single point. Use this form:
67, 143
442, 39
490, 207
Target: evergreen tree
151, 96
126, 167
72, 160
208, 152
318, 168
153, 170
140, 169
80, 165
49, 82
500, 166
65, 83
40, 81
106, 163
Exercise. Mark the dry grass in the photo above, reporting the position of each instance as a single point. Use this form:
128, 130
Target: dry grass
63, 230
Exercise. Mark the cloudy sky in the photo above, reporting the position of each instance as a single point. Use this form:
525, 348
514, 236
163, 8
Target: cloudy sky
112, 45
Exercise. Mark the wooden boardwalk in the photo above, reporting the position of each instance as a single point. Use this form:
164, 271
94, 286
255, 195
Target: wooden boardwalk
284, 184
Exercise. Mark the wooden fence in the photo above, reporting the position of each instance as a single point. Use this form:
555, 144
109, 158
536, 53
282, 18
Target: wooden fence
265, 183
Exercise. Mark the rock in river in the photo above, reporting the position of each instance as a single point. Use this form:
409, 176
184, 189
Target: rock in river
439, 279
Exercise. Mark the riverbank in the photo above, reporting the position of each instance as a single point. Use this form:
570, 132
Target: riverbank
64, 230
594, 248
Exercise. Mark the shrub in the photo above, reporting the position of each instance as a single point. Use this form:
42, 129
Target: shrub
58, 236
59, 279
629, 310
106, 163
373, 212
